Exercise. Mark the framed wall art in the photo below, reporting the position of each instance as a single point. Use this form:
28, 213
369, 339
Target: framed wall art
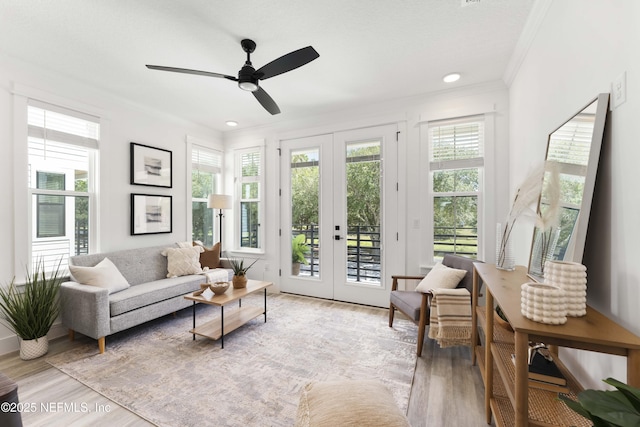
151, 166
151, 214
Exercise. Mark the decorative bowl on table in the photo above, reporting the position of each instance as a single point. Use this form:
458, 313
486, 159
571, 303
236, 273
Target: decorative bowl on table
219, 288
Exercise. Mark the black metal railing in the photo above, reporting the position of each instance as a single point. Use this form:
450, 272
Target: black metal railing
82, 236
363, 251
460, 241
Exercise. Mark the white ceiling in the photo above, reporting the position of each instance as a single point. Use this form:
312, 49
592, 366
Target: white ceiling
370, 50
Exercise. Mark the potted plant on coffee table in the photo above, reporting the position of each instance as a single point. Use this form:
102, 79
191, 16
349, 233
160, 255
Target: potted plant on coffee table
239, 272
299, 249
31, 311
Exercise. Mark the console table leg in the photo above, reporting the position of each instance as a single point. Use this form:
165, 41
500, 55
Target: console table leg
522, 378
194, 320
265, 305
633, 368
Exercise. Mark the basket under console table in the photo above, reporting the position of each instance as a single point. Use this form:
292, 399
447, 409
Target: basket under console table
508, 396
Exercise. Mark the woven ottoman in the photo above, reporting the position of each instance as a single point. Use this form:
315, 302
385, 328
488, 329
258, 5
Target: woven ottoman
348, 403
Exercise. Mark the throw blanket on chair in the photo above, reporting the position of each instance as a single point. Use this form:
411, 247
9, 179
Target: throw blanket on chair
450, 317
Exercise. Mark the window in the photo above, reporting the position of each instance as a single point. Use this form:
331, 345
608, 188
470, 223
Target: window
62, 146
250, 171
205, 179
455, 176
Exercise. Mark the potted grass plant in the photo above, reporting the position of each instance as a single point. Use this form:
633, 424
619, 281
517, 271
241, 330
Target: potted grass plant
299, 249
31, 311
239, 272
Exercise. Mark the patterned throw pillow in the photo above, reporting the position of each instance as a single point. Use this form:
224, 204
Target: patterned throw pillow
183, 261
210, 257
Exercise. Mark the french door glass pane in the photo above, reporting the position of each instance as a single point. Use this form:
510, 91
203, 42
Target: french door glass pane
363, 175
305, 200
455, 226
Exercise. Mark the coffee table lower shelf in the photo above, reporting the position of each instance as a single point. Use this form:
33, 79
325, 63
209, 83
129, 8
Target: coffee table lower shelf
227, 322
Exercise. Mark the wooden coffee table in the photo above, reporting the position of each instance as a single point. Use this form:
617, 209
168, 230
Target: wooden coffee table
217, 328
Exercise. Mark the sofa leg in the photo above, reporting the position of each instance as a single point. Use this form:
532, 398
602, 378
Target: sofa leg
72, 335
101, 342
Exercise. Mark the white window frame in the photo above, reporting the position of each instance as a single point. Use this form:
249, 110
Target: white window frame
429, 167
23, 97
239, 180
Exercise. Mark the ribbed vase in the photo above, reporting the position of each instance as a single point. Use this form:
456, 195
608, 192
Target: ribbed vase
543, 303
572, 278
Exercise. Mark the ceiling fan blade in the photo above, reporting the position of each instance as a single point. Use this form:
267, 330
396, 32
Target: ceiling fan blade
266, 101
288, 62
188, 71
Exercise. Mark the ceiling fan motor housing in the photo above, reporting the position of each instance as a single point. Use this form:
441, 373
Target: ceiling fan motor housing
246, 78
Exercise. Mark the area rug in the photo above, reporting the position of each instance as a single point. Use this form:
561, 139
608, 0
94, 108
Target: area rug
158, 372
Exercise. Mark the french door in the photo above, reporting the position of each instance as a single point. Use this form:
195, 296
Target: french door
339, 215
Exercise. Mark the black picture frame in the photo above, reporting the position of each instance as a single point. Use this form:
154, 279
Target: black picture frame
151, 166
151, 214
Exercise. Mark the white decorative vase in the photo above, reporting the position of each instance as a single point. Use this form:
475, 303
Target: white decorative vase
572, 278
543, 303
505, 259
32, 349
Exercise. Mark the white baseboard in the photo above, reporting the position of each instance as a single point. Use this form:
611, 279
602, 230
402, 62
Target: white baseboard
11, 343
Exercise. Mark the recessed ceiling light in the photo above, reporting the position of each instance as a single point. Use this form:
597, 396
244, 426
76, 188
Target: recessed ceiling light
450, 78
231, 123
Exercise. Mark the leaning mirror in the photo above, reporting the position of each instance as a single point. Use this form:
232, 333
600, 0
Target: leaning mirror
571, 164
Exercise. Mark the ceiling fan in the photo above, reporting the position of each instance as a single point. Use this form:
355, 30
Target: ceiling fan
248, 77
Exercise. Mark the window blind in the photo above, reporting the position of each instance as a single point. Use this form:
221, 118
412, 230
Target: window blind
456, 143
574, 139
250, 164
56, 124
206, 159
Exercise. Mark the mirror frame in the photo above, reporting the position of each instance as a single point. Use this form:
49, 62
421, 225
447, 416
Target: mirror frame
579, 235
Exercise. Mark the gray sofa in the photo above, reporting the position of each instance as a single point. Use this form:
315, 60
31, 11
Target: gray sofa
92, 311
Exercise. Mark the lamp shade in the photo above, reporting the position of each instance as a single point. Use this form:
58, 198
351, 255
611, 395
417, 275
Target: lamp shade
219, 201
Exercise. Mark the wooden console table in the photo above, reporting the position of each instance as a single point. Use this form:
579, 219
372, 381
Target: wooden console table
507, 393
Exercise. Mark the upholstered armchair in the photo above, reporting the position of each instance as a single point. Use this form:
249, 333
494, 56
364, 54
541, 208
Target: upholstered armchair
416, 305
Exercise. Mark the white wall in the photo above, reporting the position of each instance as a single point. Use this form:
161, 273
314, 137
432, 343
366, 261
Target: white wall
124, 123
580, 48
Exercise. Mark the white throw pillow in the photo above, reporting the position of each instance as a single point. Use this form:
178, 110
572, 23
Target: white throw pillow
441, 276
183, 261
104, 275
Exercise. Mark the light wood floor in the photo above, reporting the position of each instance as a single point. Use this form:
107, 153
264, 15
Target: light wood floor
446, 391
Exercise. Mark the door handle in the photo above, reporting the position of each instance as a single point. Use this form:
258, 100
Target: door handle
337, 237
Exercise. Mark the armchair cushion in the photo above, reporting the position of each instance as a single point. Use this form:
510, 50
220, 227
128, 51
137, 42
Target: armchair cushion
408, 302
441, 276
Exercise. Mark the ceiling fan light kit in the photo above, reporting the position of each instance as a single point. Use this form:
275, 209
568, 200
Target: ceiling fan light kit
248, 77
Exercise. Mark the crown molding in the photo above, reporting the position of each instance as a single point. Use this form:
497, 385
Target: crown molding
529, 32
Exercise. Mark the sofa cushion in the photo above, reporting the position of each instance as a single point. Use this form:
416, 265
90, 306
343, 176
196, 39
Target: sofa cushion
348, 403
103, 275
183, 261
210, 257
441, 276
153, 292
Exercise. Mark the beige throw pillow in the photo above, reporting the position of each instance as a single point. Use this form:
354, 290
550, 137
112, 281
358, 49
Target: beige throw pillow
183, 261
103, 275
441, 276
